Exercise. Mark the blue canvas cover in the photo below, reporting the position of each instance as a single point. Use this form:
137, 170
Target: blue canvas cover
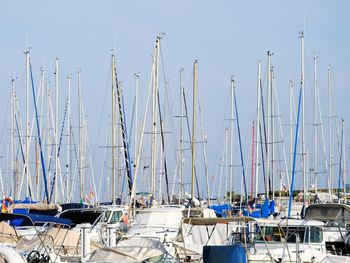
230, 253
256, 213
265, 209
221, 210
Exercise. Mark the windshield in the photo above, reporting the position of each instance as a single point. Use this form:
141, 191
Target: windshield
310, 234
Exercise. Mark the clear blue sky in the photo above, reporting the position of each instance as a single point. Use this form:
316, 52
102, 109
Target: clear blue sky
228, 37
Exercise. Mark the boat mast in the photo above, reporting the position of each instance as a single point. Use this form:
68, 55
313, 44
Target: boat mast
69, 160
14, 174
137, 78
291, 100
231, 141
315, 123
330, 177
253, 161
257, 133
226, 166
181, 185
113, 131
303, 163
268, 185
344, 167
56, 135
26, 168
154, 117
193, 127
42, 87
272, 133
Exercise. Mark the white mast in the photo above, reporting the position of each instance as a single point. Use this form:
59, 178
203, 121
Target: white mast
303, 163
291, 123
48, 126
113, 131
272, 133
330, 177
137, 78
56, 134
226, 165
154, 117
13, 138
81, 140
344, 167
257, 134
181, 188
267, 175
315, 123
231, 140
42, 88
69, 160
193, 127
27, 124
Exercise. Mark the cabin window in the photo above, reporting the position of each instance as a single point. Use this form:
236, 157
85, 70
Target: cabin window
116, 216
292, 234
106, 216
269, 234
314, 235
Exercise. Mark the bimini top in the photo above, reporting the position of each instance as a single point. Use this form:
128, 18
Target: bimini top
33, 219
289, 222
328, 212
214, 221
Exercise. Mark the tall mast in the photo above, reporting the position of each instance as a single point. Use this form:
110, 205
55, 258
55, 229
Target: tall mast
303, 166
231, 141
27, 124
69, 161
315, 123
193, 127
226, 164
113, 131
42, 87
14, 174
272, 133
268, 124
181, 190
137, 78
344, 168
56, 135
291, 96
330, 177
257, 133
81, 140
154, 117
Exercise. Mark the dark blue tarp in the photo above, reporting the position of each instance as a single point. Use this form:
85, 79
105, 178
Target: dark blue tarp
227, 254
222, 210
265, 209
256, 213
33, 219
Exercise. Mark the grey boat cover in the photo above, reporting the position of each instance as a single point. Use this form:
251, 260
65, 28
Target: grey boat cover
328, 212
130, 251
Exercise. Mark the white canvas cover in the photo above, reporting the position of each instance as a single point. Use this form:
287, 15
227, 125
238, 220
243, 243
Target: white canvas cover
162, 216
194, 237
35, 206
64, 241
130, 250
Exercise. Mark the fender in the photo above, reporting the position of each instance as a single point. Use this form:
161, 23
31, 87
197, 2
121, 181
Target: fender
11, 255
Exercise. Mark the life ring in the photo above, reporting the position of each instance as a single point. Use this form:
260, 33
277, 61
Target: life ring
4, 208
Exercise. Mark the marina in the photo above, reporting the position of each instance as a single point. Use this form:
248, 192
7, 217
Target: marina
176, 132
